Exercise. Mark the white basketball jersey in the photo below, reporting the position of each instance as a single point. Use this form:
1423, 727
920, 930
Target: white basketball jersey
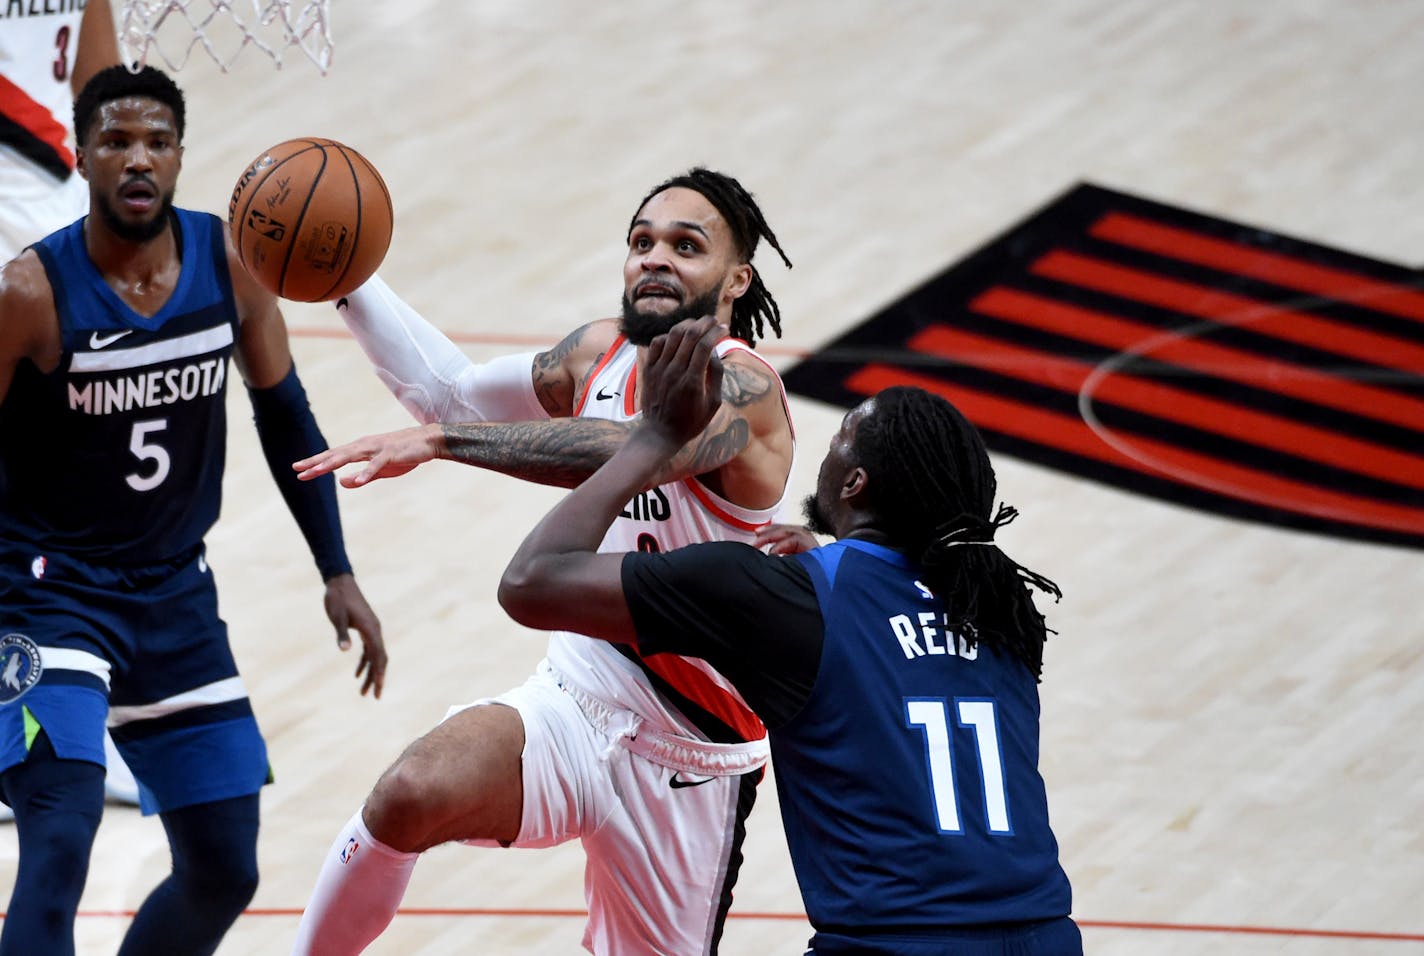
36, 143
669, 516
37, 48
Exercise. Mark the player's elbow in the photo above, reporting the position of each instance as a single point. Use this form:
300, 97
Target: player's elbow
522, 592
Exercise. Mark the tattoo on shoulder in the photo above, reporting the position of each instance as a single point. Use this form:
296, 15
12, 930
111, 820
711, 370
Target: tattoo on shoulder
556, 355
743, 385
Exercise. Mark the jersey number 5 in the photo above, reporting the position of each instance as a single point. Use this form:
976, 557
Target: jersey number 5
144, 450
978, 717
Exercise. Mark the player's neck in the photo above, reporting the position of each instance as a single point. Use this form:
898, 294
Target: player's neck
131, 262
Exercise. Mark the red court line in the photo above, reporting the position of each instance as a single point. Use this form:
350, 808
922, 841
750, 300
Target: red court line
1072, 435
1253, 930
1273, 267
1124, 335
292, 913
1189, 298
1174, 404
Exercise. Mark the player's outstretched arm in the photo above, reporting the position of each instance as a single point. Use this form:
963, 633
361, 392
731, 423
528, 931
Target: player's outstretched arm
560, 452
437, 382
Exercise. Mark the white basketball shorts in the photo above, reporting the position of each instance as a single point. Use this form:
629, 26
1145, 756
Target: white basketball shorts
660, 818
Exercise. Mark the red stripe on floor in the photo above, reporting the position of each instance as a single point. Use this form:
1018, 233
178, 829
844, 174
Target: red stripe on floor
1236, 311
1175, 404
1180, 348
1254, 263
1071, 434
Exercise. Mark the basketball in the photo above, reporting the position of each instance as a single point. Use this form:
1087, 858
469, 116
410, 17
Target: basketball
311, 219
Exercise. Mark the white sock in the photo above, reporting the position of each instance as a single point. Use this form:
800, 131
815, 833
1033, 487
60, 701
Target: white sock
356, 894
428, 373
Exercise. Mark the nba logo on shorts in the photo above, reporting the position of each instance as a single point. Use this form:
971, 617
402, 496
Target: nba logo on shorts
19, 667
348, 852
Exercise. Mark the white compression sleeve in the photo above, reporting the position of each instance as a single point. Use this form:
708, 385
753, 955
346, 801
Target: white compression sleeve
356, 895
427, 373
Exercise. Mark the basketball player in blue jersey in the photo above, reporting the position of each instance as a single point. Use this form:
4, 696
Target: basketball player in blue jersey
47, 54
895, 669
115, 335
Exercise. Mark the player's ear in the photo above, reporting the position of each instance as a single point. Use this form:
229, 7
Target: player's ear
854, 485
740, 280
79, 163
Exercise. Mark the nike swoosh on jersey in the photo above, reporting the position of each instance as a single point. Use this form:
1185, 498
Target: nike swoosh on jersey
603, 398
678, 781
97, 341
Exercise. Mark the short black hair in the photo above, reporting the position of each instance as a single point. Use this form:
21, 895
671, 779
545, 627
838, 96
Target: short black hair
932, 489
115, 83
756, 308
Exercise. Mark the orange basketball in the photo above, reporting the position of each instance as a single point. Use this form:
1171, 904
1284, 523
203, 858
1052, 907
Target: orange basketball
311, 219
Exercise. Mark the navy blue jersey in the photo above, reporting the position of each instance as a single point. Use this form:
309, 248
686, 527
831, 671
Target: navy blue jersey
117, 455
910, 778
906, 762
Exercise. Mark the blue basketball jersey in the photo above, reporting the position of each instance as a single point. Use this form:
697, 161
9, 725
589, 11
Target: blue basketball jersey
117, 455
909, 782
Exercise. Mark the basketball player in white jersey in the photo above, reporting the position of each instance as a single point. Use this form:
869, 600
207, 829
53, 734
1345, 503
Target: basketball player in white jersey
651, 762
48, 52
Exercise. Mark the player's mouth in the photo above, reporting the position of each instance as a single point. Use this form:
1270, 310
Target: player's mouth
138, 194
653, 289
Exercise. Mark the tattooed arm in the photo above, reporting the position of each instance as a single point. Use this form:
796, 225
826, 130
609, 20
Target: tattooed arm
744, 455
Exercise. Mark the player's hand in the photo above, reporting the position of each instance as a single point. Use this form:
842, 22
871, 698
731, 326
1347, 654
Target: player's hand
347, 608
389, 455
682, 385
786, 539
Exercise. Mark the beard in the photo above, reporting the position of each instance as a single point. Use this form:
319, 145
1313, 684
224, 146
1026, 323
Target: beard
137, 231
816, 519
641, 329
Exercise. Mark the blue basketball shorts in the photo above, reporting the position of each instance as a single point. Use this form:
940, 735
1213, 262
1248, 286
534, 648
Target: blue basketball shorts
142, 648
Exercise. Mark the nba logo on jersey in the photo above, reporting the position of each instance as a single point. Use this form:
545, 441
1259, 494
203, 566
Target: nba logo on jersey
19, 667
348, 852
37, 566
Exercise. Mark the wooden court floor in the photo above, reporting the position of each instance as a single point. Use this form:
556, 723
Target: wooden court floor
1229, 710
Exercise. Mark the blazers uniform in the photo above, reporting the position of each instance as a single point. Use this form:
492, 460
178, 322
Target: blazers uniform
906, 760
37, 180
109, 608
653, 761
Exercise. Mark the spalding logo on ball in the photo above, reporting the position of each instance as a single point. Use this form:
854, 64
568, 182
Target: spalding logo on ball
311, 219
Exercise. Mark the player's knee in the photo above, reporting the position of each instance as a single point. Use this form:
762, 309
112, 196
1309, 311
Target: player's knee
405, 804
221, 888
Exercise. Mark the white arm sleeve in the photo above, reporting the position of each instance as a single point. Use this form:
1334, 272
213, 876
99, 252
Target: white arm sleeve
427, 373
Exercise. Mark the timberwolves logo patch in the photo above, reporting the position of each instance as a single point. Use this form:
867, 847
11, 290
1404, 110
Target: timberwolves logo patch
19, 667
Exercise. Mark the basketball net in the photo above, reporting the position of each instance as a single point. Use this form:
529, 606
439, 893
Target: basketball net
160, 29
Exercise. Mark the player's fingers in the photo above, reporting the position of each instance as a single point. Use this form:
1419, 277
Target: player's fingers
343, 635
655, 349
688, 336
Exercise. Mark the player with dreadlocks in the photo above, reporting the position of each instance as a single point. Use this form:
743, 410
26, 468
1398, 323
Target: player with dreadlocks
931, 487
651, 761
906, 750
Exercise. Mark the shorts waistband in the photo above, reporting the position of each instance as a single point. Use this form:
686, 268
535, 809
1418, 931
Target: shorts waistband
686, 754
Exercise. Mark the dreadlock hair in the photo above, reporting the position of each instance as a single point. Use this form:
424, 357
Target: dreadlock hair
115, 83
756, 308
932, 486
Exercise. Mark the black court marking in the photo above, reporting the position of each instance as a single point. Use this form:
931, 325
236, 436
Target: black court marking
1173, 354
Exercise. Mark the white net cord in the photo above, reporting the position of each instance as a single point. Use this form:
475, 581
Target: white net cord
169, 30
